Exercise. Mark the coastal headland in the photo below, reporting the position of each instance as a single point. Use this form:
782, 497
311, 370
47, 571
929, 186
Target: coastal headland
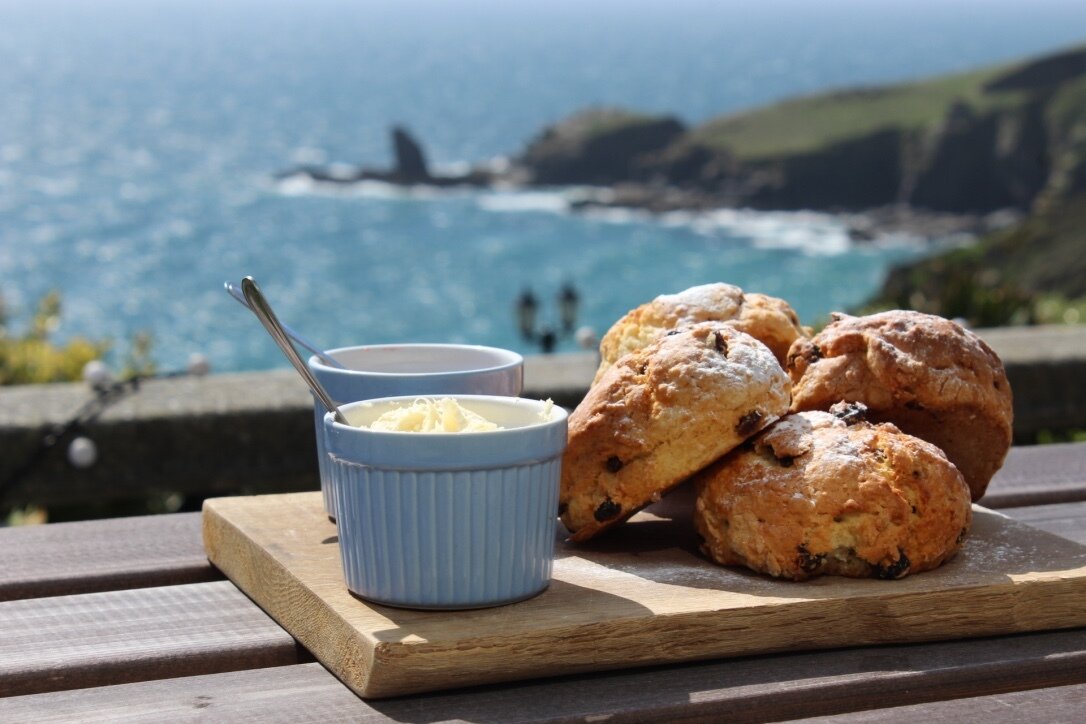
997, 153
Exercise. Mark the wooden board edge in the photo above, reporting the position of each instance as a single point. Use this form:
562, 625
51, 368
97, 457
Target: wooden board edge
355, 662
403, 668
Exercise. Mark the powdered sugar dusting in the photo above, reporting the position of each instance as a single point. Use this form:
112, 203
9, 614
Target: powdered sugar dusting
794, 435
706, 296
841, 452
755, 359
746, 360
1002, 544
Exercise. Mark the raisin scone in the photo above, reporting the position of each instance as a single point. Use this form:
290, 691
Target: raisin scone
929, 376
661, 414
819, 493
768, 319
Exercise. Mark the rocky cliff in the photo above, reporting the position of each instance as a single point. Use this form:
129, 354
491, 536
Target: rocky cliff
596, 146
998, 138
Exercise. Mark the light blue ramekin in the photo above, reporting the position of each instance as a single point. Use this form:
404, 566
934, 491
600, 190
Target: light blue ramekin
387, 370
453, 520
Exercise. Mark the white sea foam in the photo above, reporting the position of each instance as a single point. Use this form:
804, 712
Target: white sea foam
301, 184
520, 201
451, 168
383, 190
808, 232
805, 231
618, 215
341, 171
295, 185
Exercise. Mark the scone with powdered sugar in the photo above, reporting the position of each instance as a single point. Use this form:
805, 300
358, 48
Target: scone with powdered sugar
768, 319
821, 493
660, 414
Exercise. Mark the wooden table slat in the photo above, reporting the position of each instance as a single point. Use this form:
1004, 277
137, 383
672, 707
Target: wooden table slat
93, 639
102, 555
1067, 520
771, 687
757, 688
1039, 475
302, 692
1053, 704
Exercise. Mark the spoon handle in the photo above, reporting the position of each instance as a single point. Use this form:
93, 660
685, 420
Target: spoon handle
264, 313
292, 333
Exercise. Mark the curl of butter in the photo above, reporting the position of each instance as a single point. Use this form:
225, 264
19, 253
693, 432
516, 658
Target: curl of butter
427, 415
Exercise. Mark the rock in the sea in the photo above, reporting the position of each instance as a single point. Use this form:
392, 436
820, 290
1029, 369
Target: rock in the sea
597, 146
410, 169
410, 162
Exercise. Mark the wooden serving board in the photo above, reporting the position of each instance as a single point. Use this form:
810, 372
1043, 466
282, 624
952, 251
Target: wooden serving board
641, 596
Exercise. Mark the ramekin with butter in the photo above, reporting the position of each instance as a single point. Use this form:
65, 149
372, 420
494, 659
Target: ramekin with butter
429, 519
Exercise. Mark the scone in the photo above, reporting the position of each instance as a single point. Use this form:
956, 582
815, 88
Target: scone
768, 319
929, 376
661, 414
823, 494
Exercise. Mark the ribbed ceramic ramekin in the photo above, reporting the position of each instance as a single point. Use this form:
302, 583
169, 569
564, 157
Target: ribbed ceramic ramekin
454, 520
386, 370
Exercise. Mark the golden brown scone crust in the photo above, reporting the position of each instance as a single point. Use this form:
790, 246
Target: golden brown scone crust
661, 414
814, 495
768, 319
929, 376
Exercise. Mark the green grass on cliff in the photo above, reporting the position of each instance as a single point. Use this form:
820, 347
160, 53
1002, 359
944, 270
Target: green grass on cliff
594, 122
815, 122
611, 120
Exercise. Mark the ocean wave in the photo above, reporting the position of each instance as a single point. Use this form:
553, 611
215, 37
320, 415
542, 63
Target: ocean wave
522, 201
302, 184
294, 185
619, 215
808, 232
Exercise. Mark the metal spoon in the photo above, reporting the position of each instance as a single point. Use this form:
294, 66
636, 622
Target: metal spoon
255, 301
293, 334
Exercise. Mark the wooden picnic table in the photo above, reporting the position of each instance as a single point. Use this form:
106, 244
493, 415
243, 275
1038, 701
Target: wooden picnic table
125, 619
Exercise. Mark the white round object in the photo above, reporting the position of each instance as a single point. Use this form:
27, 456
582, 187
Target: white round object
82, 452
96, 373
198, 364
586, 338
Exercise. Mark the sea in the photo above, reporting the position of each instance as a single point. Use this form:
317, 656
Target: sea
140, 142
